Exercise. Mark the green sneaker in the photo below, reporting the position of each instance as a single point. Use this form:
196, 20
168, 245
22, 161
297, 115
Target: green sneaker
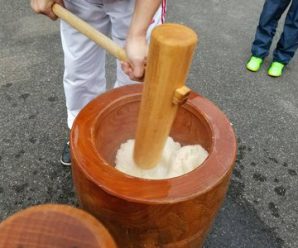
276, 69
254, 64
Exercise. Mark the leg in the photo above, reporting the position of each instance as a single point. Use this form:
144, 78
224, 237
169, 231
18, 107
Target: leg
120, 13
272, 11
288, 42
84, 75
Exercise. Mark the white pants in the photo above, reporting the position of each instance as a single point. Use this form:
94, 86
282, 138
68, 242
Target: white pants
84, 75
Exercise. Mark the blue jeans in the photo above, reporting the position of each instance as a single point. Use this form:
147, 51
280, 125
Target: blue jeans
288, 42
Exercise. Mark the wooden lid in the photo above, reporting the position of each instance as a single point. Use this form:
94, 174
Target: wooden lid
54, 226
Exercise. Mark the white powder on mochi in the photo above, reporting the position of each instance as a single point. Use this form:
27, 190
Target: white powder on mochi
175, 160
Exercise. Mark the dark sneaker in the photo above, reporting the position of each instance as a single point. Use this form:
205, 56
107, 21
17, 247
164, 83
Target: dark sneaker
65, 157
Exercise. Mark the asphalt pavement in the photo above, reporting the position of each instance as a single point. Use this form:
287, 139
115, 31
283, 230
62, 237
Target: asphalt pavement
261, 208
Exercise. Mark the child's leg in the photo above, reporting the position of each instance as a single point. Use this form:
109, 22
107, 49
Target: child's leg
272, 11
288, 42
84, 75
121, 13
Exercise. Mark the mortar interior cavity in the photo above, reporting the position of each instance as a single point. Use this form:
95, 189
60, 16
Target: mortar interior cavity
118, 122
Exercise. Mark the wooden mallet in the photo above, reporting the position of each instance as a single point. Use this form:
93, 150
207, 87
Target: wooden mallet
170, 54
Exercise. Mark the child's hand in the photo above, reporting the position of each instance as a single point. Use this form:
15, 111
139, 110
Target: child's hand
45, 7
136, 50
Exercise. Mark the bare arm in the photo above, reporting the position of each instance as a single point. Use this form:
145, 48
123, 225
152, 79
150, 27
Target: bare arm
136, 45
45, 7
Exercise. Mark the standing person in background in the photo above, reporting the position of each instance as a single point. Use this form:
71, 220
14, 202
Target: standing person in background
288, 42
127, 21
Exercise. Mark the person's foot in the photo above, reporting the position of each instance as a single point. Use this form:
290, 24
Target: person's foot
276, 69
254, 64
65, 157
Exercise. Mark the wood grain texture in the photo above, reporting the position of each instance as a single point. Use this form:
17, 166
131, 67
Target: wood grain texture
175, 212
54, 226
170, 54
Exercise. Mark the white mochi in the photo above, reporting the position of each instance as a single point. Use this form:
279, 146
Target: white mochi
175, 160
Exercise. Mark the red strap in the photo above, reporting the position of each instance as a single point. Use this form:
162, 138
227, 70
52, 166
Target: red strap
164, 10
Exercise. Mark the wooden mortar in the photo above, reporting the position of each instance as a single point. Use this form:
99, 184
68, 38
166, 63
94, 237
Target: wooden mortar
175, 212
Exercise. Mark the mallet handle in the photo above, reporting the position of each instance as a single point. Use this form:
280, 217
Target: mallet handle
93, 34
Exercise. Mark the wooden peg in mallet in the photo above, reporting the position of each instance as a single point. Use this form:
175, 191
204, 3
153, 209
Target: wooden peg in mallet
170, 54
